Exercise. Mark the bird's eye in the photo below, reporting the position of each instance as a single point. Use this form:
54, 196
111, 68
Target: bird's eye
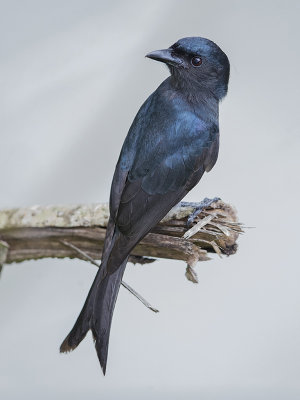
196, 61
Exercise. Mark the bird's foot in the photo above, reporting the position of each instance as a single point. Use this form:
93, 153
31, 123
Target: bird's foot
199, 207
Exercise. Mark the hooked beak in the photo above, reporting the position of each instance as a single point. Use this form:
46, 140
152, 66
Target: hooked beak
166, 56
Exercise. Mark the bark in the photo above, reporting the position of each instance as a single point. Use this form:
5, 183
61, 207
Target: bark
39, 232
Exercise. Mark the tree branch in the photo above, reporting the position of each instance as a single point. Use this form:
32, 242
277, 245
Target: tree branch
38, 232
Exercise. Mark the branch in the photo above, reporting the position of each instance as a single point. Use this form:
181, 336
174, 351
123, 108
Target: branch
38, 232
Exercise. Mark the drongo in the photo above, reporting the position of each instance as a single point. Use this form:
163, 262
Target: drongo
172, 141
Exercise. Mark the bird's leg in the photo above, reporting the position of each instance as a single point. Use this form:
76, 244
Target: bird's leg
124, 284
199, 207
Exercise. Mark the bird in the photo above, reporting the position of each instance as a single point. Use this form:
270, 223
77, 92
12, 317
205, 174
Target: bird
172, 141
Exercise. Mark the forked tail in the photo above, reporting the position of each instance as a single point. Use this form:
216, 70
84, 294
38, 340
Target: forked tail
96, 314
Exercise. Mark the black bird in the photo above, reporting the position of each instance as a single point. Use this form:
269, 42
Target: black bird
172, 141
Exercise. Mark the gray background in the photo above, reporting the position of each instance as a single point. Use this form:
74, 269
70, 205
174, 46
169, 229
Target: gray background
73, 75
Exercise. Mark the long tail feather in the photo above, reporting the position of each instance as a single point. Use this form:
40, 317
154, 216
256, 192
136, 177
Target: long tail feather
82, 324
104, 305
96, 314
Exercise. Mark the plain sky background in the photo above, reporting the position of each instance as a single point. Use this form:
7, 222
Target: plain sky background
72, 76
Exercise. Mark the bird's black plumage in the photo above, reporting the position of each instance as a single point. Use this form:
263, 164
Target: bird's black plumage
173, 140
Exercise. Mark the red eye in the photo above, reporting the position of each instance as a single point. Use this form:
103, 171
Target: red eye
196, 61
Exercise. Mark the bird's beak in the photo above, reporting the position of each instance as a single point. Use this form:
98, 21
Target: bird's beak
166, 56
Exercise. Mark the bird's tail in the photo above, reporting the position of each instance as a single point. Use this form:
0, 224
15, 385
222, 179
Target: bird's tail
97, 313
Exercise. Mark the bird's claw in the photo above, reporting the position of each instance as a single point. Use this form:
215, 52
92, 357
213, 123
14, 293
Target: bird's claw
199, 207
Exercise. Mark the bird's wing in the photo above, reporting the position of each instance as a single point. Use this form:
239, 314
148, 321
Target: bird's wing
164, 165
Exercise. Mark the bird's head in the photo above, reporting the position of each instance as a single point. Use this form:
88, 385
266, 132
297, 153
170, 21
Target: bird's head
196, 62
